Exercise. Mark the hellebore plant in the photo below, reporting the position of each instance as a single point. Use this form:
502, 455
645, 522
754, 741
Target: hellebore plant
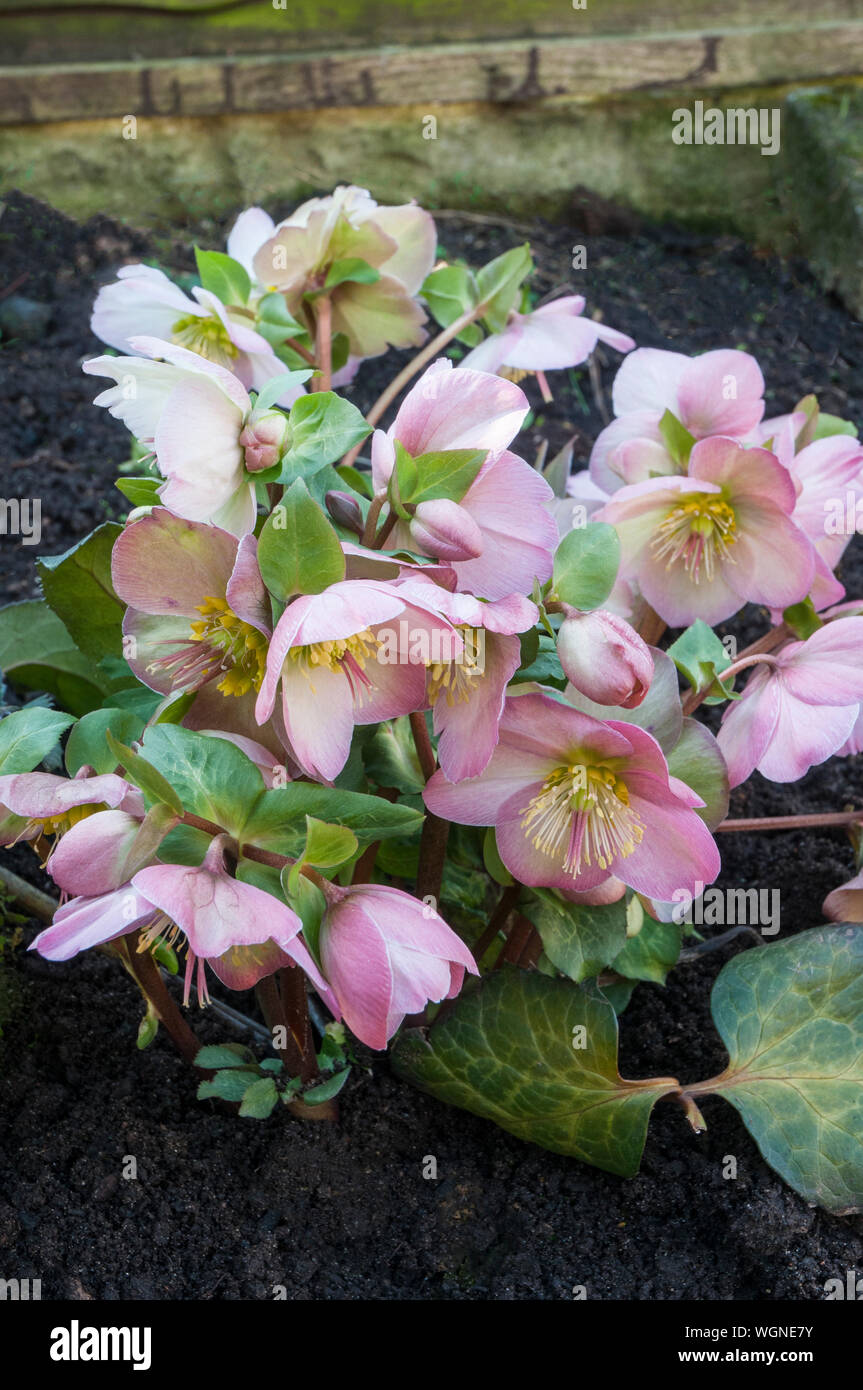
374, 710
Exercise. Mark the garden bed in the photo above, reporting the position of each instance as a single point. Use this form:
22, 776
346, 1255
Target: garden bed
227, 1208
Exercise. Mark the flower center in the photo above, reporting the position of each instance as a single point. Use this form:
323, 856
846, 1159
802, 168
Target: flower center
206, 336
457, 679
347, 655
583, 816
699, 532
235, 647
58, 825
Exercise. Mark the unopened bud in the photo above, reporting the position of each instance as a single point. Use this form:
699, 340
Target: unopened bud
345, 511
263, 439
444, 529
604, 658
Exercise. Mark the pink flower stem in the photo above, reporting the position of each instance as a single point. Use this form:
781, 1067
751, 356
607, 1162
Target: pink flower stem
435, 832
695, 697
324, 341
813, 821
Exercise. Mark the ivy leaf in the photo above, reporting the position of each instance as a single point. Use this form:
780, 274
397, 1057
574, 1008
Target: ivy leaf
28, 735
791, 1016
586, 565
224, 277
298, 550
227, 1085
77, 585
225, 1055
578, 939
539, 1057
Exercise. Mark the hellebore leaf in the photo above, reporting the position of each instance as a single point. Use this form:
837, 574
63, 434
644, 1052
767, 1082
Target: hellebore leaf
143, 774
651, 953
37, 653
697, 761
225, 1055
556, 472
700, 656
450, 292
586, 564
499, 282
78, 587
28, 735
228, 1085
351, 268
678, 440
328, 845
88, 745
141, 492
390, 757
278, 819
323, 427
828, 425
260, 1099
539, 1057
791, 1016
223, 276
326, 1090
211, 777
578, 939
446, 474
298, 549
269, 394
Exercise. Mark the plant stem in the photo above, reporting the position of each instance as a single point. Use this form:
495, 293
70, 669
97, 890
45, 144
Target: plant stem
146, 975
324, 341
303, 351
506, 905
814, 820
695, 697
651, 626
407, 373
374, 512
435, 832
385, 531
295, 1004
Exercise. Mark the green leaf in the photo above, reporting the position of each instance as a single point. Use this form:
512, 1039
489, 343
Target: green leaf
445, 474
327, 1089
87, 744
351, 268
390, 757
449, 292
323, 427
328, 846
578, 939
275, 322
298, 550
141, 492
143, 774
499, 282
678, 440
828, 425
28, 735
223, 276
586, 565
276, 386
228, 1085
225, 1055
700, 656
802, 619
308, 901
697, 761
77, 585
260, 1099
278, 819
211, 777
651, 953
791, 1017
506, 1052
37, 653
558, 469
147, 1028
494, 865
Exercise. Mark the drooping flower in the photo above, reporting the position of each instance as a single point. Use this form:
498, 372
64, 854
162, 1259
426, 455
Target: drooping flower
466, 691
798, 707
385, 955
193, 413
845, 904
144, 302
505, 513
575, 801
719, 393
296, 258
50, 805
354, 654
554, 336
703, 545
604, 658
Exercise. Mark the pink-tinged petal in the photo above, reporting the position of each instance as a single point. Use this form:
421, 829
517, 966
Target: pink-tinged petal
774, 562
356, 963
153, 639
445, 530
755, 474
162, 563
828, 667
545, 727
456, 408
248, 234
405, 921
640, 459
377, 317
139, 397
494, 351
748, 725
610, 891
41, 795
478, 801
679, 601
468, 728
394, 688
648, 380
142, 299
241, 967
257, 369
237, 515
803, 737
638, 427
86, 922
413, 231
383, 461
659, 712
721, 392
246, 593
677, 850
318, 711
197, 443
285, 258
194, 363
845, 904
95, 856
511, 504
508, 615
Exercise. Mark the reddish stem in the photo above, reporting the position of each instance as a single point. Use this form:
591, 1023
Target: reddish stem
813, 821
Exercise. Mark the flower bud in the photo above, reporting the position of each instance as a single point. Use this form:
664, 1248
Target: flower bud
344, 508
444, 529
604, 658
263, 439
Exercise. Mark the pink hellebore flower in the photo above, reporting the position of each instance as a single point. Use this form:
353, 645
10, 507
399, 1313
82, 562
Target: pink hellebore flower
604, 658
399, 242
703, 545
798, 707
576, 800
51, 805
502, 529
143, 301
354, 654
720, 392
195, 415
553, 336
845, 904
467, 692
385, 955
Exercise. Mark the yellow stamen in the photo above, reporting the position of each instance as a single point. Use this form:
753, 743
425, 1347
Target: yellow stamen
346, 654
206, 336
457, 679
515, 374
582, 816
239, 648
699, 532
58, 825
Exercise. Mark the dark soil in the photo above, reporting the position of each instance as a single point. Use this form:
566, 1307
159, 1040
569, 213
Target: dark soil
225, 1208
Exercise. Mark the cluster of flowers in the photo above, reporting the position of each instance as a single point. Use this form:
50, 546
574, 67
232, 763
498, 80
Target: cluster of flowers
714, 507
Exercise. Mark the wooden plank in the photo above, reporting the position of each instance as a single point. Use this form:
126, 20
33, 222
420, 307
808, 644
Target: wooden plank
431, 76
33, 31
